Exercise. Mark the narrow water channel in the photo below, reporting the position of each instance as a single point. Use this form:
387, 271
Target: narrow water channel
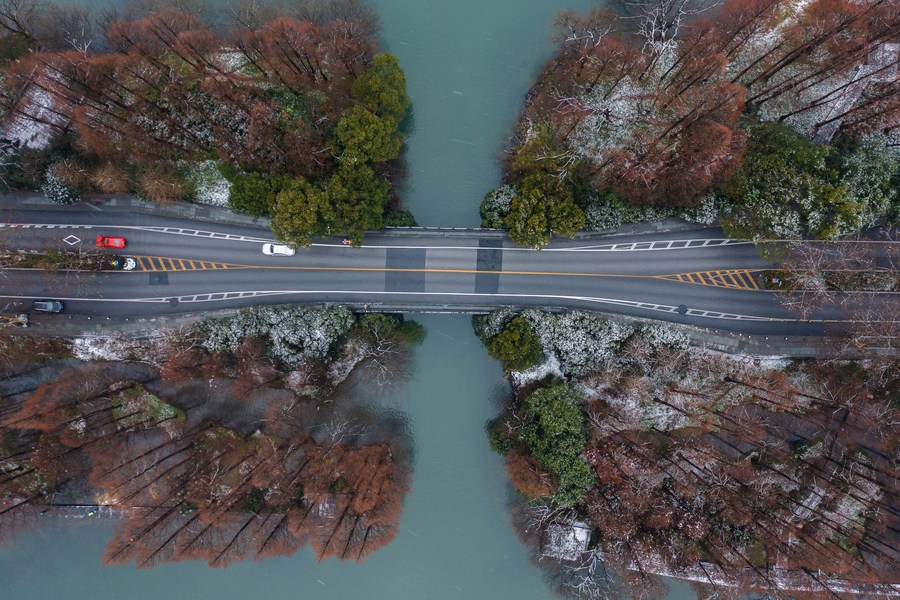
468, 65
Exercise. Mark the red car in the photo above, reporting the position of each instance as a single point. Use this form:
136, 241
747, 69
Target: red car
110, 242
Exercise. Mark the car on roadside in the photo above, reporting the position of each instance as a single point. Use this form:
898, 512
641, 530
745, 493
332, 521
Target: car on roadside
105, 241
278, 250
48, 306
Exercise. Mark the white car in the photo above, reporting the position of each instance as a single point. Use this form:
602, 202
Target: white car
278, 250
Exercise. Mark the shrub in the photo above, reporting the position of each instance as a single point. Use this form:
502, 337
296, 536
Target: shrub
556, 437
603, 211
399, 218
161, 183
871, 173
55, 189
254, 193
292, 332
210, 185
516, 346
495, 207
491, 324
527, 477
580, 340
497, 440
411, 332
110, 178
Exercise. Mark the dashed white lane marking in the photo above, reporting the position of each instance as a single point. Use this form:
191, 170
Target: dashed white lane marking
620, 247
216, 235
659, 245
647, 306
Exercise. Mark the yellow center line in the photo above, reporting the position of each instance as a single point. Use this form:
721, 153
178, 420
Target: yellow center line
677, 277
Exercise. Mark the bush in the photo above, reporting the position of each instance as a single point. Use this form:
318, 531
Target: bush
556, 437
56, 190
607, 211
580, 340
516, 346
254, 193
871, 173
491, 324
497, 440
495, 207
411, 332
210, 185
292, 332
708, 213
399, 218
604, 211
788, 188
162, 183
12, 47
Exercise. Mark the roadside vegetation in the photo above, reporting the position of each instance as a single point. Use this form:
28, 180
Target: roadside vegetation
738, 473
710, 112
230, 440
290, 114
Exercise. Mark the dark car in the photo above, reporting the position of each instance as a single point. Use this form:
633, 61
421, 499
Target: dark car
49, 306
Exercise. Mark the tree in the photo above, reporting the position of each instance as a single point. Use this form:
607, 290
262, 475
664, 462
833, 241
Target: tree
556, 437
367, 137
543, 206
516, 346
788, 188
381, 87
255, 193
527, 477
358, 197
871, 173
302, 211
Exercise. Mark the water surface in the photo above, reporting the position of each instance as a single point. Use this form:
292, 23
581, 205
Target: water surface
468, 65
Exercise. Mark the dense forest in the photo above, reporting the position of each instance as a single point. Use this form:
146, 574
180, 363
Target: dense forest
711, 111
738, 473
287, 113
228, 441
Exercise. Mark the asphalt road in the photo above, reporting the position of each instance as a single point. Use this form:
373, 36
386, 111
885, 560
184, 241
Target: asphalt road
697, 277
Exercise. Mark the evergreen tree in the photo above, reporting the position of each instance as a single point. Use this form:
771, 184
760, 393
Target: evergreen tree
381, 87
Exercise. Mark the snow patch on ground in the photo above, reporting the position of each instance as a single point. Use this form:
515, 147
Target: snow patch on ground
117, 348
38, 116
210, 186
549, 367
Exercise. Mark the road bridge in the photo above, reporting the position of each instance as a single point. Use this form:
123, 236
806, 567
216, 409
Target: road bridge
698, 277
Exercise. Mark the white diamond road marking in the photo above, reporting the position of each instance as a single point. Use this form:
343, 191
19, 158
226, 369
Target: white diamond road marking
71, 240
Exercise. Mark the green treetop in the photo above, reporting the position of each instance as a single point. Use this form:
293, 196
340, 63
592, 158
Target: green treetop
516, 345
381, 88
788, 188
358, 197
302, 211
367, 136
543, 206
556, 437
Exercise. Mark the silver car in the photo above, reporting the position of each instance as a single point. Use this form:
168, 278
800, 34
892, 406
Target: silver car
278, 250
49, 306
